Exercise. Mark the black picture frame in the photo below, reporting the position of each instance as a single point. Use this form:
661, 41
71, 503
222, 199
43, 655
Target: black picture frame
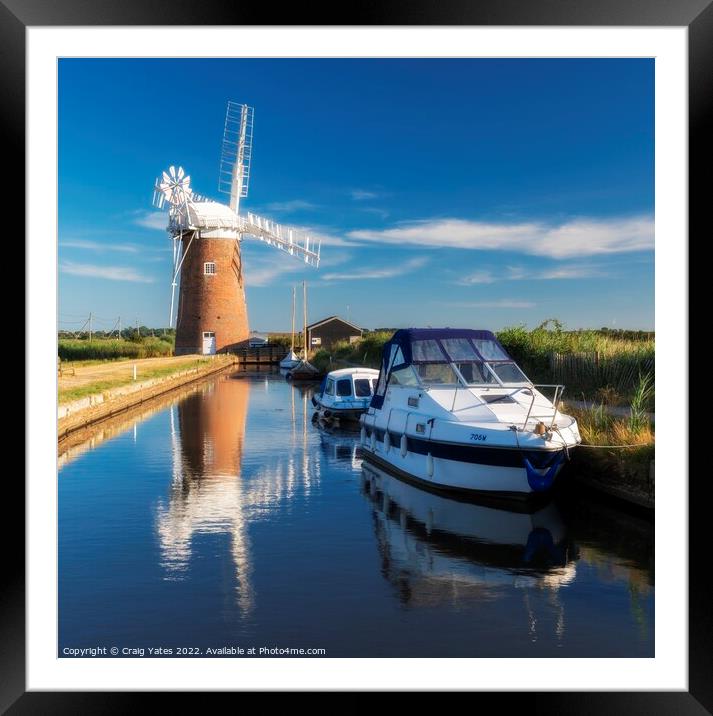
696, 15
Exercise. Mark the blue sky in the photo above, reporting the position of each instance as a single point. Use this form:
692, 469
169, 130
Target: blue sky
477, 193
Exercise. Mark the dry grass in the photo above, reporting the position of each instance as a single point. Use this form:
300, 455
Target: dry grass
92, 379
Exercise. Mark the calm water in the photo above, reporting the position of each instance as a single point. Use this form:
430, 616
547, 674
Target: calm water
225, 518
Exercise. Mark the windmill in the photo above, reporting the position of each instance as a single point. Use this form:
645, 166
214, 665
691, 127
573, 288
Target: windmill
211, 314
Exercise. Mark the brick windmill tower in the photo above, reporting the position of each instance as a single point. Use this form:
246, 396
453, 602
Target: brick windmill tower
212, 314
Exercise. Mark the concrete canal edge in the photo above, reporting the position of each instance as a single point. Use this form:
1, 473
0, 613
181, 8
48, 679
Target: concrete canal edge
87, 412
633, 488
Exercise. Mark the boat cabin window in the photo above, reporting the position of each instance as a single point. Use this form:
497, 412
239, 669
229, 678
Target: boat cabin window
344, 387
490, 350
373, 385
436, 374
427, 350
362, 388
403, 376
460, 349
329, 390
508, 372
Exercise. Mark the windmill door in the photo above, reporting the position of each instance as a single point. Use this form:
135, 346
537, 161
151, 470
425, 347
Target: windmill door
208, 343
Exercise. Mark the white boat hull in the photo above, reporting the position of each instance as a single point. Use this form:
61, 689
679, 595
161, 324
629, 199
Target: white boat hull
287, 364
440, 472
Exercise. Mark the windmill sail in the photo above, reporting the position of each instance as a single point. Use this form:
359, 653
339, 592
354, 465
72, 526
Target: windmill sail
290, 240
236, 153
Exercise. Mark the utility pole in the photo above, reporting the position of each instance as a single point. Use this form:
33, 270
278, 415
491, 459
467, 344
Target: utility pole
90, 326
137, 327
119, 327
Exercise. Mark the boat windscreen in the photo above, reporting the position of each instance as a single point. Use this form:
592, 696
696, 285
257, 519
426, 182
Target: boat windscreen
436, 374
476, 373
508, 372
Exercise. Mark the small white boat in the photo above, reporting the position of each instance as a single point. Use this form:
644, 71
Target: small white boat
346, 393
452, 410
304, 370
291, 360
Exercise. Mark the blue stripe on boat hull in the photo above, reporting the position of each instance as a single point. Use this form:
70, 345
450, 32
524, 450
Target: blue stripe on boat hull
474, 454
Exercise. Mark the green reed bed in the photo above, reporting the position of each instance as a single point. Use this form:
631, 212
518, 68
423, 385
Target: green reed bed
593, 365
70, 349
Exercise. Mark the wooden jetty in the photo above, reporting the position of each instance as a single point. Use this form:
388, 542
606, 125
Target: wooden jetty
265, 355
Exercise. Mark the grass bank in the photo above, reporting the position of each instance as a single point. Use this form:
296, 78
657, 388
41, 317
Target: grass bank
125, 377
616, 452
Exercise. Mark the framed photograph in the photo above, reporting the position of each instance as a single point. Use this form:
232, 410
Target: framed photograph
345, 336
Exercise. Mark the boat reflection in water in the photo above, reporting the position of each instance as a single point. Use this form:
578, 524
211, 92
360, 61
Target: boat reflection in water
438, 550
339, 443
209, 492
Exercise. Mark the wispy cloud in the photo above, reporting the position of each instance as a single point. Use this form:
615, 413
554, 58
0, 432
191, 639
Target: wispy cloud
111, 273
577, 237
478, 277
398, 270
381, 213
265, 274
502, 303
152, 220
99, 246
363, 194
287, 207
518, 273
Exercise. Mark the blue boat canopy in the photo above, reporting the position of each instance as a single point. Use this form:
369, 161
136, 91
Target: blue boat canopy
421, 347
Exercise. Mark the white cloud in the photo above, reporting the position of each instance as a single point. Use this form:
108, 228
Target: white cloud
290, 206
398, 270
111, 273
152, 220
98, 246
362, 194
503, 303
577, 237
518, 273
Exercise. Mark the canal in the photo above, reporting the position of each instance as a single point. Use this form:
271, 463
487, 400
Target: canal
225, 519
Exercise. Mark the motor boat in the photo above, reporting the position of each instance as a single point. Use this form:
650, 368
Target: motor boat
345, 394
453, 411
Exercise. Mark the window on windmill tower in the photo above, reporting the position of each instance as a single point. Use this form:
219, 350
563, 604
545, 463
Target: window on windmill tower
209, 268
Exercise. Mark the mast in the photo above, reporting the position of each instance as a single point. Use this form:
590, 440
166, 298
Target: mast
304, 306
292, 347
